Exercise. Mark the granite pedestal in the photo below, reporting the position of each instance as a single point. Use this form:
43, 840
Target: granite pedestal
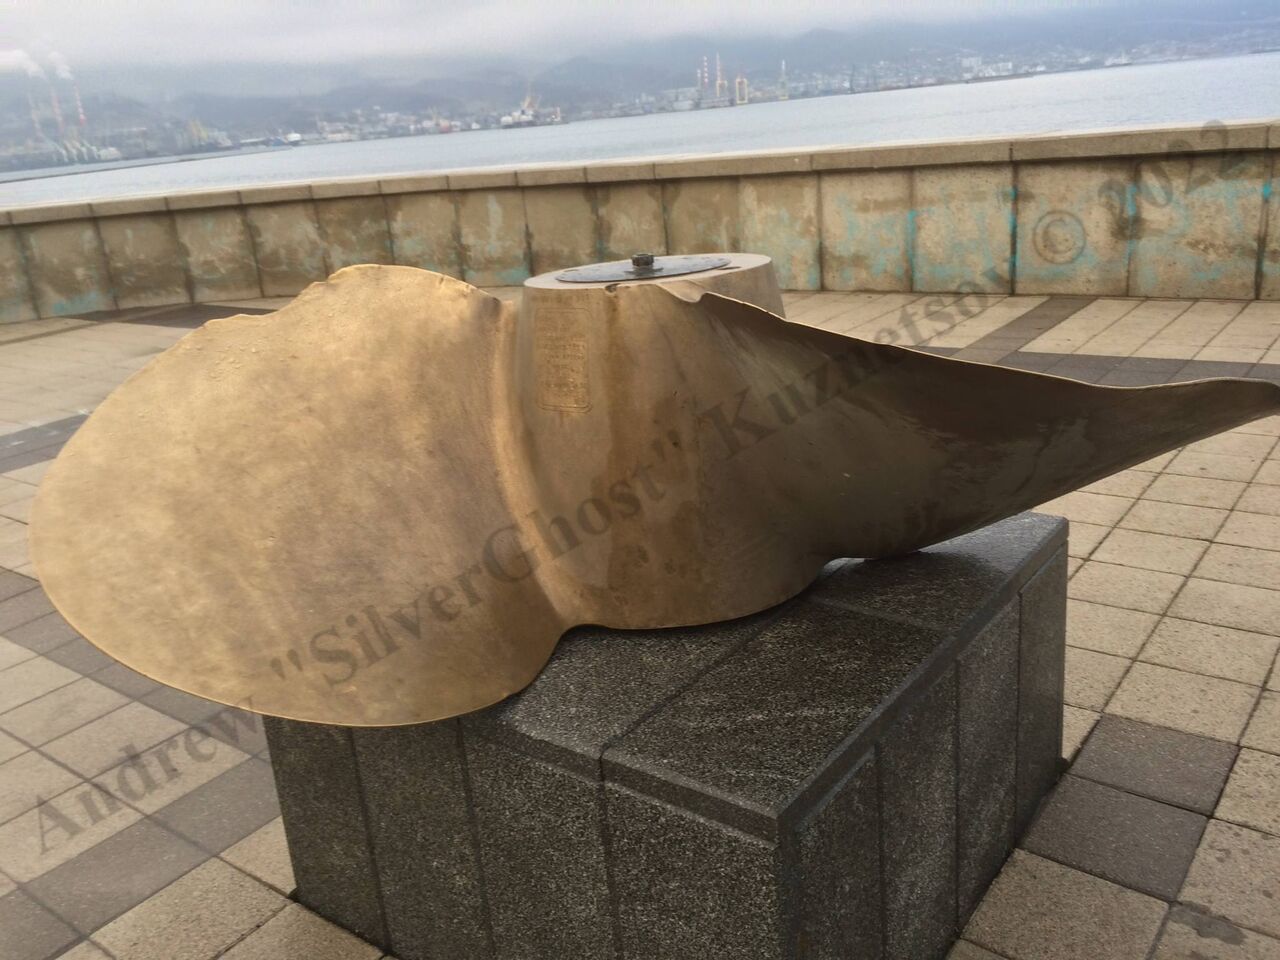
838, 777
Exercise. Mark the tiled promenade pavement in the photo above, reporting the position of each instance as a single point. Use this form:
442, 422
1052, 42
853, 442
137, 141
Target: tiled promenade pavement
137, 822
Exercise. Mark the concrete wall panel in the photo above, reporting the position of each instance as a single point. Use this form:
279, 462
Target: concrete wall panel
865, 238
424, 231
67, 268
290, 251
219, 253
702, 216
562, 227
495, 249
631, 220
16, 301
146, 262
1074, 221
779, 216
963, 229
1269, 281
1199, 219
355, 230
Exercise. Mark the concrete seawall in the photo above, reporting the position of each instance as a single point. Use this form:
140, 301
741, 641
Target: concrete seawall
1167, 212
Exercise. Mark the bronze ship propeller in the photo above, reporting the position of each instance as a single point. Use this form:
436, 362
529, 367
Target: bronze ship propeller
385, 503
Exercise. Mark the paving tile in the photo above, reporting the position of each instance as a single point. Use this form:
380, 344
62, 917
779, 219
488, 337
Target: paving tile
61, 711
240, 728
156, 776
1155, 762
1243, 565
1212, 650
1082, 538
32, 678
1113, 630
11, 653
296, 933
1255, 609
1083, 507
1236, 875
1077, 724
1126, 483
29, 778
1041, 910
116, 875
60, 828
1191, 935
1073, 564
10, 748
1156, 464
23, 608
194, 918
1234, 444
43, 634
1092, 677
1252, 794
100, 744
28, 931
1183, 701
1134, 841
265, 854
182, 706
129, 682
1263, 732
1151, 551
85, 951
1260, 498
1188, 463
1174, 519
12, 584
1195, 491
1117, 586
1251, 530
79, 655
227, 808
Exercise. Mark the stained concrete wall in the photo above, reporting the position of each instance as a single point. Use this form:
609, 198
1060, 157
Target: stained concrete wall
1164, 212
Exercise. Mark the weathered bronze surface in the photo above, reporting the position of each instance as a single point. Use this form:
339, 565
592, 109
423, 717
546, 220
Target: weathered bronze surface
386, 502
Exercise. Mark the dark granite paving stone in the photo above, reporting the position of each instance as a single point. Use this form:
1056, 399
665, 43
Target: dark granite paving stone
127, 681
599, 683
1041, 678
1076, 365
30, 932
839, 863
427, 854
43, 634
1020, 331
1159, 365
1129, 840
1133, 378
80, 655
1266, 371
1034, 362
326, 824
917, 766
986, 792
182, 706
23, 608
536, 819
687, 887
740, 742
1205, 369
1167, 765
227, 809
12, 584
116, 875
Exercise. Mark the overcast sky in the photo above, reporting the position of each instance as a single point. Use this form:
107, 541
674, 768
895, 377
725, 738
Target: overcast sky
91, 33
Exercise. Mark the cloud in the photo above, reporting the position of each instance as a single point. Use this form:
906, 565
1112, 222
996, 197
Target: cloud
162, 32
